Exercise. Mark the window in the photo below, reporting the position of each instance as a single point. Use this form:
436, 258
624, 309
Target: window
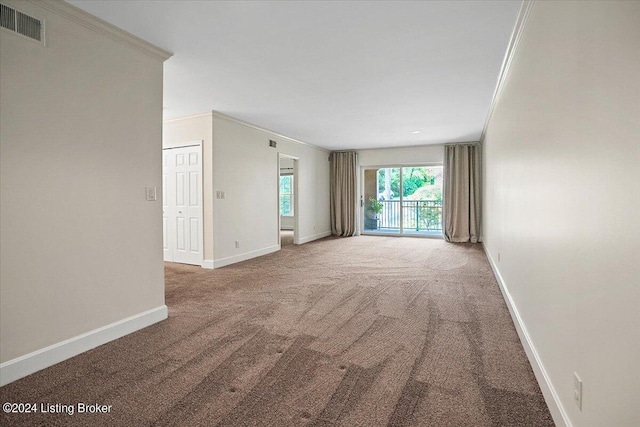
286, 195
403, 200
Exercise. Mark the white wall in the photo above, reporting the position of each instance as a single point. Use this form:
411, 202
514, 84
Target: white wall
246, 169
562, 201
197, 128
287, 222
239, 162
80, 140
416, 155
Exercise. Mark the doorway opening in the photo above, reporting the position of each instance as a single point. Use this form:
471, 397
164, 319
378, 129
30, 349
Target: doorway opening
288, 212
405, 200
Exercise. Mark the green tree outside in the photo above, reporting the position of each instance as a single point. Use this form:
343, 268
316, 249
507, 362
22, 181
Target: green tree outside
419, 180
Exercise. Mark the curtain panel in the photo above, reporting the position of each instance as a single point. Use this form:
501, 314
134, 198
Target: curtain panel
343, 193
461, 201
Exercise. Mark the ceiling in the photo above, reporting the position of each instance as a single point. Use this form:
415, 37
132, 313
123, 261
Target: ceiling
341, 75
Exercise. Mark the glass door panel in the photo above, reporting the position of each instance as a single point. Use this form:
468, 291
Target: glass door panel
422, 200
381, 201
402, 200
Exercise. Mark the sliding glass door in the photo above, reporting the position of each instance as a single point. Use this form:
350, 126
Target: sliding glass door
402, 200
380, 202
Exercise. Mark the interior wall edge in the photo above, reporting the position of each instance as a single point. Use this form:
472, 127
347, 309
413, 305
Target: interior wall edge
222, 262
100, 26
560, 417
314, 237
223, 116
516, 34
28, 364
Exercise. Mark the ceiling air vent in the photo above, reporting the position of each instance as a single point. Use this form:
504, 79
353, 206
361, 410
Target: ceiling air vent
21, 23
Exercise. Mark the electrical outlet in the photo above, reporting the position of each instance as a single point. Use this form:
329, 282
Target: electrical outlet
222, 194
217, 194
237, 244
577, 390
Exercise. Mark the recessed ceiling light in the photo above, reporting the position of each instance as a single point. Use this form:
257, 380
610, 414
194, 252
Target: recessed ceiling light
416, 131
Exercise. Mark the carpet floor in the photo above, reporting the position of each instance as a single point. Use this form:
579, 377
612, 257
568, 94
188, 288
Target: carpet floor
363, 331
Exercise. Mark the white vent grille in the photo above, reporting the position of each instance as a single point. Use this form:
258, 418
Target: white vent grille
21, 23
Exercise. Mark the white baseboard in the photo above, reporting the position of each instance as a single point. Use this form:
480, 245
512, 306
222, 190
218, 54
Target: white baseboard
28, 364
314, 237
207, 263
217, 263
560, 416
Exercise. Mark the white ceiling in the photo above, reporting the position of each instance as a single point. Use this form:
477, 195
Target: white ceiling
341, 75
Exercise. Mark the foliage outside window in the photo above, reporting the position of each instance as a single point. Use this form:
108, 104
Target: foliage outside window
418, 189
375, 206
286, 195
418, 183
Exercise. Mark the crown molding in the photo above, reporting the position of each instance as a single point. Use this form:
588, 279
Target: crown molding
277, 135
516, 35
402, 147
79, 16
189, 117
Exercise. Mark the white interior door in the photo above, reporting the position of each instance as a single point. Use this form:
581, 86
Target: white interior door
182, 205
167, 169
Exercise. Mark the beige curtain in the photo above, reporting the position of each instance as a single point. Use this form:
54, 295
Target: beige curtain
343, 193
461, 193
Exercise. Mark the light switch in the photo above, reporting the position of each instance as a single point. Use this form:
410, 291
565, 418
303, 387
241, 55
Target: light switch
577, 390
151, 194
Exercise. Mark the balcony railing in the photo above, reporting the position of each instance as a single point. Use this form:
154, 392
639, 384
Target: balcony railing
417, 215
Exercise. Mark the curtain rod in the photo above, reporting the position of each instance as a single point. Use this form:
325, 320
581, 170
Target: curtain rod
463, 143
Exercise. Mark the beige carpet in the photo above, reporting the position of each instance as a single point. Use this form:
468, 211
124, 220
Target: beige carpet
362, 331
286, 238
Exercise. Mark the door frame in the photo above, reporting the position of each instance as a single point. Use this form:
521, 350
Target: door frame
296, 194
196, 143
363, 202
400, 232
